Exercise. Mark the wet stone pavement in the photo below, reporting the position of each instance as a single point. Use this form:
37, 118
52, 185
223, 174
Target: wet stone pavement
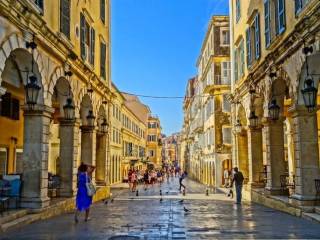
146, 217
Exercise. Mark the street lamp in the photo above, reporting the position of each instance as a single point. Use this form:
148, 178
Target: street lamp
253, 119
274, 110
238, 126
68, 108
32, 88
104, 126
309, 92
90, 119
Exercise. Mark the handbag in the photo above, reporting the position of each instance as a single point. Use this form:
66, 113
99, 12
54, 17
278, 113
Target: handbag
91, 189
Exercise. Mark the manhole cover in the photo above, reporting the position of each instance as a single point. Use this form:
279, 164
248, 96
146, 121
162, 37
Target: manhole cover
124, 238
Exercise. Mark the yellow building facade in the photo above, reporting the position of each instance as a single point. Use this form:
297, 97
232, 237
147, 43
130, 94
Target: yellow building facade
154, 144
63, 49
275, 51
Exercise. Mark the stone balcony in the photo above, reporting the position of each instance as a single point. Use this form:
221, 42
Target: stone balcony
218, 84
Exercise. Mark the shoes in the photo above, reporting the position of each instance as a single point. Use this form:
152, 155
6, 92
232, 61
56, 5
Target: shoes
87, 219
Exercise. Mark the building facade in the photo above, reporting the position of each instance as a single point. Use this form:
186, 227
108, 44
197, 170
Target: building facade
154, 143
207, 108
54, 63
170, 149
275, 54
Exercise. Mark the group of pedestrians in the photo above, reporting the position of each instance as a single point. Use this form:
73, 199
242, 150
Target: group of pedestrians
151, 177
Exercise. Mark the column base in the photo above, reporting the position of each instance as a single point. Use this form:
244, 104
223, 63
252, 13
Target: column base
101, 183
35, 203
301, 200
276, 191
66, 193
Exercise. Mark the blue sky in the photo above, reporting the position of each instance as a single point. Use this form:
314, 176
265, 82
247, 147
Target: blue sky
155, 45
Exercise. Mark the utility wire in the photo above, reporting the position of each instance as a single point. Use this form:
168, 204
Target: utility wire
169, 97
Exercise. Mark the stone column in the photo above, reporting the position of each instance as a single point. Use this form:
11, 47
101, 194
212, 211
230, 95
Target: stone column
101, 156
69, 140
88, 146
306, 147
35, 157
275, 155
255, 155
242, 153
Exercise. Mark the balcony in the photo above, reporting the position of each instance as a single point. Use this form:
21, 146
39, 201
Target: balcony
220, 83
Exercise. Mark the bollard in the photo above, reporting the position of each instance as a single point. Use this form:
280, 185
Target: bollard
137, 193
207, 192
184, 192
160, 192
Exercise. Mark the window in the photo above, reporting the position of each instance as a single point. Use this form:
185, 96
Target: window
300, 4
103, 10
87, 40
65, 17
257, 36
226, 106
267, 20
248, 45
253, 41
152, 138
225, 73
10, 107
238, 10
103, 60
3, 161
151, 153
226, 133
281, 17
39, 3
241, 52
224, 37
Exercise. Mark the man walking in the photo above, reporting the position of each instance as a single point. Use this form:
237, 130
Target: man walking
183, 175
238, 180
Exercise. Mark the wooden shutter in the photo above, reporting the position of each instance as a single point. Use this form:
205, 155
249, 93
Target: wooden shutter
248, 44
82, 36
92, 45
65, 17
103, 10
6, 105
281, 16
3, 161
257, 36
236, 65
267, 21
103, 60
15, 109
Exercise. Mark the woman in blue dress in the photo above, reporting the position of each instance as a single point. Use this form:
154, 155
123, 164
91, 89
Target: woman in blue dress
83, 200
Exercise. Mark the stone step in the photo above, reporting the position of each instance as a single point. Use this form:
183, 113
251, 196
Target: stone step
311, 216
19, 222
317, 210
11, 215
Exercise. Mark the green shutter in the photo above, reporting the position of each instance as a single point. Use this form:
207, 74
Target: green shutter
248, 44
257, 36
236, 72
65, 17
82, 36
103, 60
103, 10
267, 21
92, 45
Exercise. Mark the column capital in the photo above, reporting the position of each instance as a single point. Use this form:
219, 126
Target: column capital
298, 110
2, 91
66, 122
87, 128
38, 110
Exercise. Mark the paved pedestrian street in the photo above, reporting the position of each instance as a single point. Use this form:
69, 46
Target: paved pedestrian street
198, 217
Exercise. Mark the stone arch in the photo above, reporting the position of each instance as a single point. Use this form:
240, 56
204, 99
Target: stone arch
86, 105
314, 71
55, 76
15, 42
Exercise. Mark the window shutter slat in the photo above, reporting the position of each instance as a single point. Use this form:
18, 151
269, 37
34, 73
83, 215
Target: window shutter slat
82, 36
